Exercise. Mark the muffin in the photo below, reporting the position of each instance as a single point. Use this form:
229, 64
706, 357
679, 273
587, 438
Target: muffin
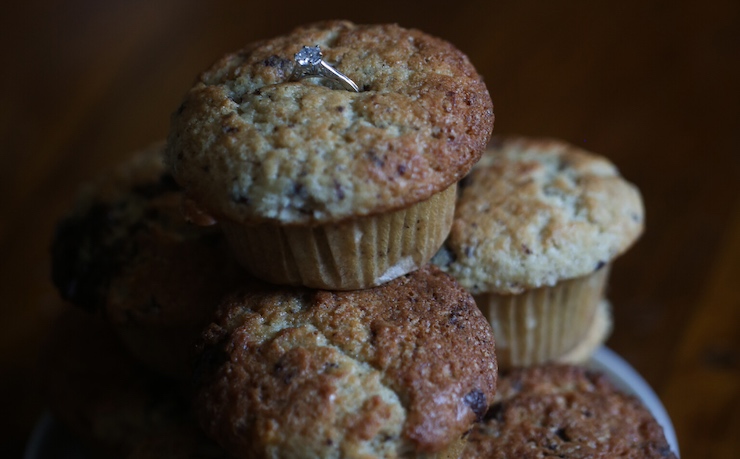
568, 412
102, 395
126, 252
400, 370
318, 186
537, 225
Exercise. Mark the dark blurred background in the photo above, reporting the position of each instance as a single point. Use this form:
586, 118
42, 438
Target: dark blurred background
651, 85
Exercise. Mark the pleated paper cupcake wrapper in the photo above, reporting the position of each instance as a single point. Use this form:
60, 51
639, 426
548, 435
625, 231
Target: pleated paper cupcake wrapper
597, 334
355, 254
542, 324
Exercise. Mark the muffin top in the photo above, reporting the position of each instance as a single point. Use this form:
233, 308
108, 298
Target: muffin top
391, 371
567, 412
251, 145
126, 251
533, 212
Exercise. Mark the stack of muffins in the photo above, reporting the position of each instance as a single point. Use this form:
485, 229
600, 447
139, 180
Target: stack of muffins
262, 280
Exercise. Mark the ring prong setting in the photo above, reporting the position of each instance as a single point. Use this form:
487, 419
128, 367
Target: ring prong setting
310, 64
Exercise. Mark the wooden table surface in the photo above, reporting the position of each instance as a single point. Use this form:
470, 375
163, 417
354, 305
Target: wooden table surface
651, 85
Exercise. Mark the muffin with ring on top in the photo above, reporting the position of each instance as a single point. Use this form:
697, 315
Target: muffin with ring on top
319, 186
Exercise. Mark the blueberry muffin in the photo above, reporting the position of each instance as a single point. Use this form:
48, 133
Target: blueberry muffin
126, 252
568, 412
318, 186
400, 370
537, 225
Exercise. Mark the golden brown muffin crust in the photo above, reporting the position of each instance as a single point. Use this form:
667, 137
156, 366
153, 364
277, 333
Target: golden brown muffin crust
249, 144
568, 412
534, 212
399, 369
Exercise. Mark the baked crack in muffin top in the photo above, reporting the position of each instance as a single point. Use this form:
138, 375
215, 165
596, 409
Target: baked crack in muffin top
393, 371
251, 145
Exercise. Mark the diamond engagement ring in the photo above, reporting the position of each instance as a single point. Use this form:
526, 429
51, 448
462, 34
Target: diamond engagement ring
309, 64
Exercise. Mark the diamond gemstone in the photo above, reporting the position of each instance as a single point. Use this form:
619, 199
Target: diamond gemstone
309, 55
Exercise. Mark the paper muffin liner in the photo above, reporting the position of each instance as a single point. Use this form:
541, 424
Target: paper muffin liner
353, 254
542, 324
597, 334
